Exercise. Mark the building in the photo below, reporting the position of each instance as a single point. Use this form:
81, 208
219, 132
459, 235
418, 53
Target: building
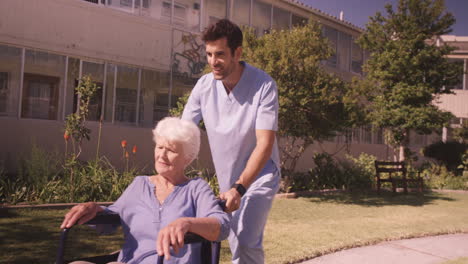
144, 54
457, 103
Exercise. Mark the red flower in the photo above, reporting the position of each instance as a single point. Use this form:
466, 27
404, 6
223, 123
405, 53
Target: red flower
126, 154
66, 136
134, 150
123, 143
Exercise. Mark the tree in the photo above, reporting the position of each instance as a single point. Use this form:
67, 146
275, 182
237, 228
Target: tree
461, 133
407, 70
314, 105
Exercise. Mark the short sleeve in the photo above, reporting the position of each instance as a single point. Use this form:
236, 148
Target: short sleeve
267, 112
192, 110
207, 206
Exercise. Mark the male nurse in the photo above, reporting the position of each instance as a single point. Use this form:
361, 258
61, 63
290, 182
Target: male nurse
239, 106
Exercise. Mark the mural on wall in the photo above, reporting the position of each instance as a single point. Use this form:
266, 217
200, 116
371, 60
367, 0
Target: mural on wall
188, 57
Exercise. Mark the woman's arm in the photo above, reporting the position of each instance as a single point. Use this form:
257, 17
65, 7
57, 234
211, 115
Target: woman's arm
81, 213
173, 234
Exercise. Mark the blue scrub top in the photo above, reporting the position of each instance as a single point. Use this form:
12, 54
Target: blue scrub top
231, 120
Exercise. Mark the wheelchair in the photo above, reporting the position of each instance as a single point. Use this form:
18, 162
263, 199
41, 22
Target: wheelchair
210, 250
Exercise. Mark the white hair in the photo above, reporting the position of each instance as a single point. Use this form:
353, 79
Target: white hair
174, 129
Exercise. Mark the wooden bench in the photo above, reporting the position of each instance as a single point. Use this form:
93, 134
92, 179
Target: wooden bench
395, 172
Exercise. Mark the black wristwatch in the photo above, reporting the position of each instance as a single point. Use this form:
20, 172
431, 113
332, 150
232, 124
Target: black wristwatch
239, 188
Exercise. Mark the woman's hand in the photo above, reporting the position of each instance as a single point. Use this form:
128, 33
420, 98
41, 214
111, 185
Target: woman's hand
172, 235
81, 213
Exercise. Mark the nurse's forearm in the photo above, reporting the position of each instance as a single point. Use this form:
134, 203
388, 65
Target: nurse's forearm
260, 155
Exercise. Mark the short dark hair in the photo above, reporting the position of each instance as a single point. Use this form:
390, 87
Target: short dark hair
224, 28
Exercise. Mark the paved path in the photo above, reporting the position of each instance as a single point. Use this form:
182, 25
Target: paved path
425, 250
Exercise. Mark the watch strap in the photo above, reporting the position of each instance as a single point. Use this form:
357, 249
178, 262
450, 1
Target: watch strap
239, 188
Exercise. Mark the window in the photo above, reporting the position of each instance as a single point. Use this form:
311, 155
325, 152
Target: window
357, 57
132, 6
154, 85
344, 50
96, 1
73, 75
298, 20
42, 82
281, 19
459, 84
379, 136
356, 135
241, 12
110, 90
125, 108
186, 14
261, 17
215, 10
367, 134
126, 94
332, 35
10, 68
40, 96
3, 91
96, 72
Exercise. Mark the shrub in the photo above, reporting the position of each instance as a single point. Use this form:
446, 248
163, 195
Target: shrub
192, 172
446, 153
326, 174
439, 177
354, 174
360, 173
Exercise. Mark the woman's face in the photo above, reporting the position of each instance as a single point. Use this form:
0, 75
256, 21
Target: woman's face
169, 157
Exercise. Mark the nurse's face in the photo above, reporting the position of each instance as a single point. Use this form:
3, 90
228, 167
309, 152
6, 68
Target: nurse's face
220, 58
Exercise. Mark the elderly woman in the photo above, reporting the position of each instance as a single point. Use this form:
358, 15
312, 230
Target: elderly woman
156, 211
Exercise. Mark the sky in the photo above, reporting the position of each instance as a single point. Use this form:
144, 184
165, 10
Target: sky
358, 11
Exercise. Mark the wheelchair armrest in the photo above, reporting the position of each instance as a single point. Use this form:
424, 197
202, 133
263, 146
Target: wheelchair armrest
98, 219
104, 219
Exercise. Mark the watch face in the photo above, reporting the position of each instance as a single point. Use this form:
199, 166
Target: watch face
240, 189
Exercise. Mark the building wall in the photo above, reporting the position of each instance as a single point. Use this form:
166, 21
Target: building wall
18, 136
457, 103
79, 28
128, 51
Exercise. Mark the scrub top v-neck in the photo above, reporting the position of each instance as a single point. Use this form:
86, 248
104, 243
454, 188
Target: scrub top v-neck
231, 120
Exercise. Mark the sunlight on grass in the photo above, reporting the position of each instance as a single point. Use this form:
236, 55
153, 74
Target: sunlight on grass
297, 228
457, 261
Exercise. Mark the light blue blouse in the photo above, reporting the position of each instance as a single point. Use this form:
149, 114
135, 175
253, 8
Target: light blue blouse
142, 217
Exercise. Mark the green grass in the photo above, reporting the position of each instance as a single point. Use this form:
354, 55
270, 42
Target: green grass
297, 229
457, 261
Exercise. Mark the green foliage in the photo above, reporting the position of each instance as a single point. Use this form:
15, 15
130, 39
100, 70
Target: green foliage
309, 95
461, 133
359, 173
75, 123
95, 180
313, 104
439, 177
210, 178
464, 162
39, 167
44, 177
354, 174
179, 109
326, 174
448, 153
407, 69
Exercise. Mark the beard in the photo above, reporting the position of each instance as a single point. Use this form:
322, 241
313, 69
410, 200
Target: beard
221, 72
